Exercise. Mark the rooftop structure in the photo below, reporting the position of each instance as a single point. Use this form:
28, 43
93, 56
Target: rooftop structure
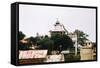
58, 29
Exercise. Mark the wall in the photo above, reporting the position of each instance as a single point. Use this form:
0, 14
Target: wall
5, 34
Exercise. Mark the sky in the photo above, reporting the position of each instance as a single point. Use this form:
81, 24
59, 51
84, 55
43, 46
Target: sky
35, 19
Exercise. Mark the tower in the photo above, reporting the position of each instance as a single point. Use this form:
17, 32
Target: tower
58, 29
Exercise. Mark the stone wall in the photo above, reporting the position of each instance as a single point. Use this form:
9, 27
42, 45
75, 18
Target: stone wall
55, 58
86, 53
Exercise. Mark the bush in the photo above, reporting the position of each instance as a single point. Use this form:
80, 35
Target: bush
72, 57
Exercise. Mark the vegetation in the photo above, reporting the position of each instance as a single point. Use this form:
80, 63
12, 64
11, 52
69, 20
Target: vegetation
32, 40
61, 42
55, 42
81, 36
23, 46
21, 35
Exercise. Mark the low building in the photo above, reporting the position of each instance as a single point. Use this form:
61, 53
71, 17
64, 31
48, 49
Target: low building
88, 51
32, 56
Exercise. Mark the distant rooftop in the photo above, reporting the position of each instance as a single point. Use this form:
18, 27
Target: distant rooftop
58, 27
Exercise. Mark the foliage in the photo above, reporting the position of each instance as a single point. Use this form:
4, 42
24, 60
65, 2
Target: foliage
24, 46
81, 37
21, 35
55, 42
46, 43
62, 42
32, 40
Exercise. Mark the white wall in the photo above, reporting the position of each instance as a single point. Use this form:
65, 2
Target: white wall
5, 33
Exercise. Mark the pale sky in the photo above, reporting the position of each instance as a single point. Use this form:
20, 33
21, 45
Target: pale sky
41, 19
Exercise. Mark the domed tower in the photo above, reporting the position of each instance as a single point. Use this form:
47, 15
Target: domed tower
58, 29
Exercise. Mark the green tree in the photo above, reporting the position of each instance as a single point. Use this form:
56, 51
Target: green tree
57, 41
23, 46
62, 42
81, 37
46, 43
21, 35
66, 42
32, 40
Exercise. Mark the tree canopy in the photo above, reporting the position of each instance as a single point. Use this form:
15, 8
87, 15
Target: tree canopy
21, 35
62, 42
81, 37
32, 40
23, 46
46, 43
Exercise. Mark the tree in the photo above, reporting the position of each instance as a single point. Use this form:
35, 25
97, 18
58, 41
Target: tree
23, 46
66, 42
62, 42
32, 40
46, 43
21, 35
81, 37
57, 41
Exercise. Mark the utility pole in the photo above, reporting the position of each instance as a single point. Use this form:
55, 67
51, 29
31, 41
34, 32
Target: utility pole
76, 44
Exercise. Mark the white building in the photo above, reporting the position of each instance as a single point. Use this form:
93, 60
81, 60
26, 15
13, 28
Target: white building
58, 29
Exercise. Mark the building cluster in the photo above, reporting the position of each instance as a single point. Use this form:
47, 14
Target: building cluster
87, 52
